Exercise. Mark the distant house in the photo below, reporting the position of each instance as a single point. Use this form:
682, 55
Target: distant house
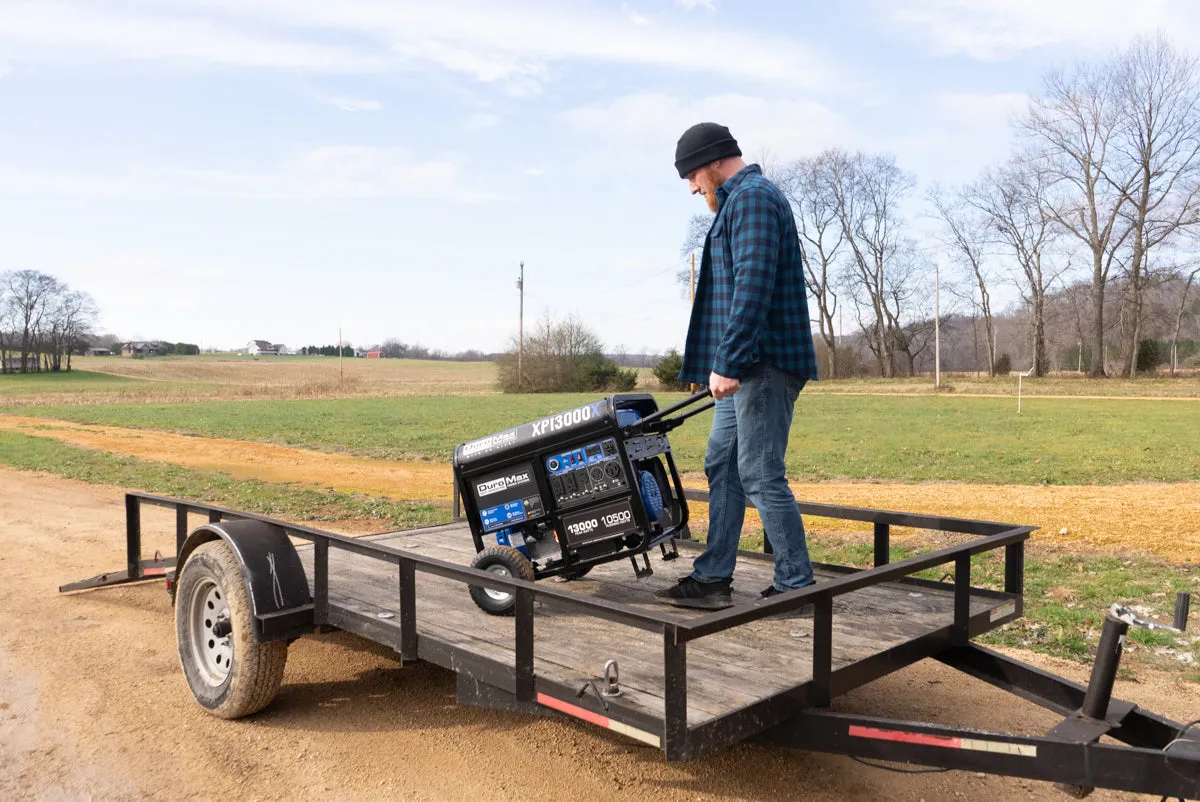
262, 348
98, 352
374, 354
11, 364
143, 349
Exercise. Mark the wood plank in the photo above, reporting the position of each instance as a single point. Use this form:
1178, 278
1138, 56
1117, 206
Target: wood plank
726, 671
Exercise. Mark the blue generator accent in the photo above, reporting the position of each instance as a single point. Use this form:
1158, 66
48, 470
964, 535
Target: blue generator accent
652, 496
627, 416
512, 537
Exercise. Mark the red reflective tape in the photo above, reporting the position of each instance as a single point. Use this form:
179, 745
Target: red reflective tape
572, 710
154, 571
906, 737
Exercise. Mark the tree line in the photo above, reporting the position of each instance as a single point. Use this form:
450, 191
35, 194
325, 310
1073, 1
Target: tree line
42, 322
1093, 218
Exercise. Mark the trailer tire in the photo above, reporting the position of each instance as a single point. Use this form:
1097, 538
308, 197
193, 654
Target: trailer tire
505, 561
234, 675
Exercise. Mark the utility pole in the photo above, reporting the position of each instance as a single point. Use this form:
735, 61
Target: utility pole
937, 325
341, 370
521, 329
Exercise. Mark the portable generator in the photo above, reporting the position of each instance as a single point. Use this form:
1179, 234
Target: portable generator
560, 495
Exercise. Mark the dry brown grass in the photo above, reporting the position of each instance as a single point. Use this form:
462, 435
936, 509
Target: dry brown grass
242, 378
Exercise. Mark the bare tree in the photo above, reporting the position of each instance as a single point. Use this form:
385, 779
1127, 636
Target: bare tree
1161, 141
1014, 203
1183, 298
868, 190
966, 236
693, 246
31, 293
1073, 127
809, 186
7, 322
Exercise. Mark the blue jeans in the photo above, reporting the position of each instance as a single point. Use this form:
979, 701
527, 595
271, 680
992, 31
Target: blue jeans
745, 457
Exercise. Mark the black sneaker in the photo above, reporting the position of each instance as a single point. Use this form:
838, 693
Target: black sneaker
690, 592
804, 612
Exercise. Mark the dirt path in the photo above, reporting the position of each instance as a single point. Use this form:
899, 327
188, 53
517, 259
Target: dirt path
1159, 519
93, 705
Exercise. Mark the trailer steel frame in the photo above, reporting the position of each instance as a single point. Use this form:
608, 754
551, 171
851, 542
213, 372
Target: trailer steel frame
1161, 757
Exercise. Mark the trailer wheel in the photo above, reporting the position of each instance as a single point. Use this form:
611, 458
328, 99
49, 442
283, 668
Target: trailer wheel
229, 674
502, 561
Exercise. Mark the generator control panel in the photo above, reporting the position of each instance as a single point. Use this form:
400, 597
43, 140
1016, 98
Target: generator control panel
586, 472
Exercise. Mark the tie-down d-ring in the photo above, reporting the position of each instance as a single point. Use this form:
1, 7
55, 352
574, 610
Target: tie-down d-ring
612, 679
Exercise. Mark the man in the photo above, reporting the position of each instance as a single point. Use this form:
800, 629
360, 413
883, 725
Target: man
749, 341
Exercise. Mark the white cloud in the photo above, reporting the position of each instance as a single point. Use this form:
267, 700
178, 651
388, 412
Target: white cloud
651, 123
60, 32
514, 42
4, 69
992, 30
535, 171
711, 5
320, 173
353, 104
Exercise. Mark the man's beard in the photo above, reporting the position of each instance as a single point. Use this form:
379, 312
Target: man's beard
711, 199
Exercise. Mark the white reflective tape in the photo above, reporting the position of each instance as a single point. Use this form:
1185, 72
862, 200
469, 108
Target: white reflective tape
635, 733
999, 747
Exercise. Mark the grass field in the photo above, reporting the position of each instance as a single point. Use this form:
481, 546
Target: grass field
76, 381
289, 501
1071, 432
103, 380
895, 438
224, 376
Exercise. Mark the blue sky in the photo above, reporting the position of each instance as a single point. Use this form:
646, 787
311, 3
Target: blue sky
214, 171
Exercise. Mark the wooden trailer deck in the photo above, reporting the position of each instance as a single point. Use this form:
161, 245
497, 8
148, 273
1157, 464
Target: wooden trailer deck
726, 671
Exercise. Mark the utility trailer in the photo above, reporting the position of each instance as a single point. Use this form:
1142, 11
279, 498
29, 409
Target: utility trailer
600, 649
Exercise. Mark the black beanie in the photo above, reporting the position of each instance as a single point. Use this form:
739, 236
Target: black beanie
702, 144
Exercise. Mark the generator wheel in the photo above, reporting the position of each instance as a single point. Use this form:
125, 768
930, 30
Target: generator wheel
229, 674
502, 561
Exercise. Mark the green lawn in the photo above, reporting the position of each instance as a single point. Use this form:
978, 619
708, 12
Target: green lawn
212, 487
895, 438
75, 381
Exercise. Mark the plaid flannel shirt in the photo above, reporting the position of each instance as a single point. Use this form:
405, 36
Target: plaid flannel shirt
751, 302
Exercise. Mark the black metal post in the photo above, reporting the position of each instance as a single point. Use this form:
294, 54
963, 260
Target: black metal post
133, 536
1014, 567
1104, 670
457, 501
408, 611
883, 545
767, 547
181, 525
1183, 601
675, 722
214, 517
321, 581
525, 690
822, 693
962, 599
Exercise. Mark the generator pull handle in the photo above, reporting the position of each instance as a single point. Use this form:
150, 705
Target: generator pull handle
659, 420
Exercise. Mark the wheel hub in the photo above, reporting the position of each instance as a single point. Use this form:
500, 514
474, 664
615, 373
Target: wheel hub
211, 632
500, 596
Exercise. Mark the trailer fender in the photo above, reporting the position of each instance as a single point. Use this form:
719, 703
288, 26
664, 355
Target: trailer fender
271, 568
